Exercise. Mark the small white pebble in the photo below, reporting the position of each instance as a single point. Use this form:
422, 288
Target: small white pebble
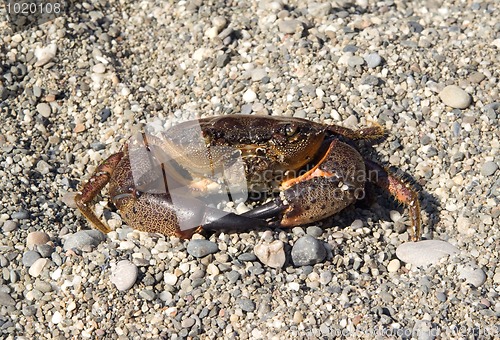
249, 96
393, 266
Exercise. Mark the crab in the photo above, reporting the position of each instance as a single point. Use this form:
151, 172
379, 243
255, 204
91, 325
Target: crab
310, 171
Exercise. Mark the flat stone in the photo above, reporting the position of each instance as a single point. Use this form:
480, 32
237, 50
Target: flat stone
489, 168
84, 238
272, 255
426, 252
308, 251
289, 26
6, 299
201, 248
455, 97
124, 275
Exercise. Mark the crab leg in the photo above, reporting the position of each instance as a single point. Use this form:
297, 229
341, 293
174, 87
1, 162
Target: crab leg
400, 190
93, 187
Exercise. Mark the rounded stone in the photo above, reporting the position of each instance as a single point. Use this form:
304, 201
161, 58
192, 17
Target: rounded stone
373, 60
36, 238
393, 266
9, 225
201, 248
44, 109
308, 251
30, 257
489, 168
455, 97
124, 275
249, 96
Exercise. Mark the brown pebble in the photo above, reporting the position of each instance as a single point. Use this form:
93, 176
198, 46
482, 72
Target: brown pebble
36, 238
50, 98
79, 128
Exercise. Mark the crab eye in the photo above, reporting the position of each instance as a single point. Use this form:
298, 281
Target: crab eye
290, 129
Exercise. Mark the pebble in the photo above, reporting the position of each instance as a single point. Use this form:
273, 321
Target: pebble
319, 9
37, 267
36, 238
424, 253
249, 96
246, 305
44, 109
272, 255
84, 238
99, 68
201, 248
289, 26
471, 274
245, 257
9, 226
20, 215
30, 257
314, 231
393, 266
355, 61
124, 275
170, 278
45, 250
188, 322
257, 74
45, 54
455, 97
356, 224
373, 60
307, 251
56, 317
489, 168
6, 299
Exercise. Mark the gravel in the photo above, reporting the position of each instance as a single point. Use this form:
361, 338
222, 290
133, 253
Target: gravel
75, 88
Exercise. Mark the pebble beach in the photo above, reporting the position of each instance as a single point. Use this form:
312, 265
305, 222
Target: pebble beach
74, 89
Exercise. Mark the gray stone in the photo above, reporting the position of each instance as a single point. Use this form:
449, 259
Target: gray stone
355, 61
201, 248
424, 253
30, 257
6, 299
289, 26
84, 238
373, 60
247, 257
246, 305
489, 168
308, 251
